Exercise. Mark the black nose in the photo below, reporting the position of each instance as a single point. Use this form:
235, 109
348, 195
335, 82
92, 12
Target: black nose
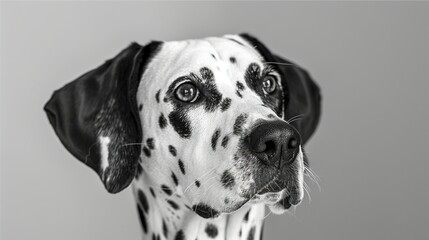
275, 143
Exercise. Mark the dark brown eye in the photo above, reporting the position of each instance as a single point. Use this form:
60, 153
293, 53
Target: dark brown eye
269, 84
186, 92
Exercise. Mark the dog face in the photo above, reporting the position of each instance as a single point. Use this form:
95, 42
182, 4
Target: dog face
207, 116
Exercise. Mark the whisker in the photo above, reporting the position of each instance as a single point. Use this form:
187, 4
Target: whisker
296, 116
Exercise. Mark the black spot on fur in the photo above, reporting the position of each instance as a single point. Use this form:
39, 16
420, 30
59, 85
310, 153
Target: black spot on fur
251, 235
240, 86
213, 56
166, 189
173, 204
232, 59
142, 218
235, 41
227, 179
162, 121
211, 230
179, 235
164, 229
140, 107
225, 104
197, 183
152, 192
182, 166
181, 123
173, 176
238, 94
226, 200
206, 74
205, 211
239, 233
214, 96
225, 141
172, 150
157, 96
150, 144
143, 200
215, 137
271, 116
239, 122
146, 151
246, 216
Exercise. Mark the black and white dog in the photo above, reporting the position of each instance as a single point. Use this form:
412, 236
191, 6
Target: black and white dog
209, 131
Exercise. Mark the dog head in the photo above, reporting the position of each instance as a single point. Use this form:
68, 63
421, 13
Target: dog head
221, 120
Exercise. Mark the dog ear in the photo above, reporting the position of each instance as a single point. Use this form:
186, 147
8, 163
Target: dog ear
301, 95
96, 116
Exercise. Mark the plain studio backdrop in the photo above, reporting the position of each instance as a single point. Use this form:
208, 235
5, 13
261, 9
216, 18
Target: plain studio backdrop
370, 151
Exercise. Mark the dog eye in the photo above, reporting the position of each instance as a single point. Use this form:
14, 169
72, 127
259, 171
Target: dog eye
269, 84
186, 92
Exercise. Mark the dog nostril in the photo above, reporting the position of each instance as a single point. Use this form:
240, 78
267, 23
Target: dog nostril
293, 143
270, 148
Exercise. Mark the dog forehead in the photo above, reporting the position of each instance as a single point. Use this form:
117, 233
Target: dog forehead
222, 55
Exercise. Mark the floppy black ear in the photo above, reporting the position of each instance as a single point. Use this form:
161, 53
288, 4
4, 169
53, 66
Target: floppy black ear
302, 99
96, 116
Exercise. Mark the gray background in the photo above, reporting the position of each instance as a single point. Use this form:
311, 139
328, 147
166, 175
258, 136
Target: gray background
370, 151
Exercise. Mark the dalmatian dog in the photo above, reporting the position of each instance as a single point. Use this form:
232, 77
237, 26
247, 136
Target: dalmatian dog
208, 131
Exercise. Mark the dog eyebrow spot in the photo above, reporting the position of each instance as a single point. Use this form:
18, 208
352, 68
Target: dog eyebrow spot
239, 122
162, 121
215, 137
166, 189
181, 166
173, 204
227, 179
232, 60
172, 150
225, 141
150, 144
207, 74
211, 230
146, 151
173, 176
143, 200
225, 104
197, 183
157, 96
204, 210
140, 107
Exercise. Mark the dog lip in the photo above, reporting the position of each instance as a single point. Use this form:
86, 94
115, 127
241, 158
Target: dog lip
275, 178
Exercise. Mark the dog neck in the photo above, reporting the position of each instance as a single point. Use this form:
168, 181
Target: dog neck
164, 214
